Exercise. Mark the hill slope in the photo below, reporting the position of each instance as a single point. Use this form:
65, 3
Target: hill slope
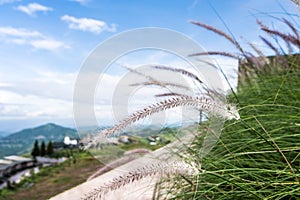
22, 142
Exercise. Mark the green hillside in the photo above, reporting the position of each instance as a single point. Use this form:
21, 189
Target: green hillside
21, 142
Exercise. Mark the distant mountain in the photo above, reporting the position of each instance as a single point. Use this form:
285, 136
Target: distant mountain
22, 142
3, 134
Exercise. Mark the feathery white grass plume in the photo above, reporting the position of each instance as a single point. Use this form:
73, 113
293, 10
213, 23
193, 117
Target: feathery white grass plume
206, 104
162, 169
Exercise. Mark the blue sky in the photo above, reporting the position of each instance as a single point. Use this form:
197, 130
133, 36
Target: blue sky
43, 44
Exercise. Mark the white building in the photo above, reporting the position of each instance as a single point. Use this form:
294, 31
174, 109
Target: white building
69, 141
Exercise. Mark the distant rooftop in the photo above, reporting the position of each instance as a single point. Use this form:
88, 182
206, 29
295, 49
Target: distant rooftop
5, 162
16, 158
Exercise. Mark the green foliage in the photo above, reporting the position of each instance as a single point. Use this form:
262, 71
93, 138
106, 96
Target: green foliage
256, 157
43, 149
49, 150
36, 149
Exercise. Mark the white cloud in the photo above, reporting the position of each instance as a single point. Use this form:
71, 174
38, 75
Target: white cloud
81, 1
34, 39
32, 8
48, 44
47, 95
18, 32
3, 84
88, 24
15, 105
7, 1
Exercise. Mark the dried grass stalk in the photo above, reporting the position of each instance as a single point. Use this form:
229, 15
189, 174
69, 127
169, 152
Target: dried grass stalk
286, 37
219, 32
219, 53
161, 84
292, 27
269, 44
182, 71
168, 94
154, 82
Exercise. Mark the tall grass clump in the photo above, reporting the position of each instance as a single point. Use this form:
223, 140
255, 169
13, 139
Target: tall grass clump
258, 156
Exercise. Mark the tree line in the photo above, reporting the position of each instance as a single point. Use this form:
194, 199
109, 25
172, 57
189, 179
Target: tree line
42, 150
